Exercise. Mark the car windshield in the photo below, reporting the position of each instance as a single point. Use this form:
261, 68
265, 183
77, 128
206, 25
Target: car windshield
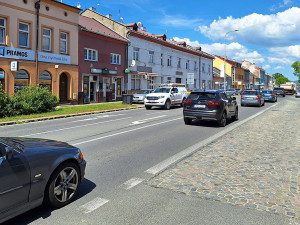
144, 91
250, 93
231, 90
162, 90
201, 95
267, 91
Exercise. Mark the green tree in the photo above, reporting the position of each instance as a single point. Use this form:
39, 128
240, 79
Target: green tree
277, 75
282, 80
296, 67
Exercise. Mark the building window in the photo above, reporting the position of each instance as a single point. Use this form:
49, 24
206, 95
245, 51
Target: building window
161, 59
90, 54
2, 31
169, 79
47, 39
136, 54
187, 65
115, 59
169, 60
151, 57
195, 65
135, 83
21, 80
203, 67
63, 43
179, 63
209, 69
24, 35
203, 84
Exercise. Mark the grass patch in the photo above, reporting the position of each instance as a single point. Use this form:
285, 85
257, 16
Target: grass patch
70, 110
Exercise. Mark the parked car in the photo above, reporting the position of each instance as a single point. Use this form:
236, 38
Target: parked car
269, 95
33, 171
166, 95
140, 96
279, 91
252, 97
297, 94
231, 91
210, 105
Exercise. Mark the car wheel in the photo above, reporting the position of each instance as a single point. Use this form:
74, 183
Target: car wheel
182, 103
236, 115
283, 95
168, 104
259, 105
263, 103
222, 121
62, 185
148, 107
187, 121
242, 105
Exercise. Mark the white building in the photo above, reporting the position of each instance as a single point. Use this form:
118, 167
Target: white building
153, 59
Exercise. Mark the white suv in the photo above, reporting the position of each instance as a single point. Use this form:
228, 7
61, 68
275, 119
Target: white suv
166, 95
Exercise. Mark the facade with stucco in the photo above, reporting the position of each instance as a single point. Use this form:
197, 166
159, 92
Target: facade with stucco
45, 54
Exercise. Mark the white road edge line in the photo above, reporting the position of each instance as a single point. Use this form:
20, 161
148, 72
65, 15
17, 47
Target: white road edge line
123, 132
93, 205
131, 183
188, 151
68, 128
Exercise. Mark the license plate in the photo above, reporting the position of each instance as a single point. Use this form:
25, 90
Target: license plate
199, 106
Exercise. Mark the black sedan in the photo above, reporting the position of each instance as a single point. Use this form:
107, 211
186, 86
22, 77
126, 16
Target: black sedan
210, 105
33, 171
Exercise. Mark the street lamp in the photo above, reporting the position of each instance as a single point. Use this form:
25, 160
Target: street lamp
225, 57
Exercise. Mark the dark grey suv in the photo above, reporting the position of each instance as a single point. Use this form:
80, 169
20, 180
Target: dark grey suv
279, 91
210, 105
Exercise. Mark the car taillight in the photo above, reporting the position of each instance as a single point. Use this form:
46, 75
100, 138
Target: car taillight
272, 95
242, 97
257, 98
187, 102
216, 103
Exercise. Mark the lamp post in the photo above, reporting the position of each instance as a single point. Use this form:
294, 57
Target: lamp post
225, 57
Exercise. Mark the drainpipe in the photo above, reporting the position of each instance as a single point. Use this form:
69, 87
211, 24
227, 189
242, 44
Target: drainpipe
200, 87
37, 6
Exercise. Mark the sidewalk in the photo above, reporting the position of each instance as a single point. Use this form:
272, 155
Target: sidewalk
257, 165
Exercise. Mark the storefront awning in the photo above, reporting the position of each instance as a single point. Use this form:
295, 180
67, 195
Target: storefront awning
144, 73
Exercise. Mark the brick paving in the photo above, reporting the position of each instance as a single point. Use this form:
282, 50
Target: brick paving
257, 165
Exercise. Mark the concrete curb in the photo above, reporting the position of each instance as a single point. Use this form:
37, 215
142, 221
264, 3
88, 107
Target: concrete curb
66, 116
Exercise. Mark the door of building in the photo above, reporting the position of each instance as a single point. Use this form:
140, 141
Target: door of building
92, 91
63, 88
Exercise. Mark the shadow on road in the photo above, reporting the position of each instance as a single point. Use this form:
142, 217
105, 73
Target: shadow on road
44, 212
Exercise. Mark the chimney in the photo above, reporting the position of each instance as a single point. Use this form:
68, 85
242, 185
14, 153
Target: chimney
93, 9
109, 16
143, 28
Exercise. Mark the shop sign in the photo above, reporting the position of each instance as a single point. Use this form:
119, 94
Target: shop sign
127, 71
16, 53
14, 66
94, 70
54, 58
2, 74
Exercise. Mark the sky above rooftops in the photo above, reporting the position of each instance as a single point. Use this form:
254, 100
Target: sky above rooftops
268, 31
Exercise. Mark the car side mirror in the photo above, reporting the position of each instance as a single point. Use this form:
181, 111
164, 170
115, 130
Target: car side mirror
9, 153
234, 98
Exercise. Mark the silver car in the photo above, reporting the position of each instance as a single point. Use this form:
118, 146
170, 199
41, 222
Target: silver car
297, 94
140, 96
252, 97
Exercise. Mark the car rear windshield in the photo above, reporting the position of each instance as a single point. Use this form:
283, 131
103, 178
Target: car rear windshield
250, 93
144, 92
278, 89
267, 92
201, 95
162, 90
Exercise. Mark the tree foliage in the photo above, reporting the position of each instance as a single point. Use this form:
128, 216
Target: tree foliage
296, 67
282, 80
277, 75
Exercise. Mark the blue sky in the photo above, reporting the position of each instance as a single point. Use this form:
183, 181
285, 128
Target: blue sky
269, 30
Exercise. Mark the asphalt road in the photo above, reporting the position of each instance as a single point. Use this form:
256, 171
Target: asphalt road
123, 150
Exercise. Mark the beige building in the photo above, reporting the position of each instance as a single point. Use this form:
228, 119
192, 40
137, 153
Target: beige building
39, 45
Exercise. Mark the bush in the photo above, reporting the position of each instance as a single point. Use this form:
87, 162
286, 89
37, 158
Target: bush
33, 99
5, 109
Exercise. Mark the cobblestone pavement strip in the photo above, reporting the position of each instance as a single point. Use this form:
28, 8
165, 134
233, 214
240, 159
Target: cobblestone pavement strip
257, 165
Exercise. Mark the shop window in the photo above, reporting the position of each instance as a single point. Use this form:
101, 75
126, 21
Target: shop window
24, 30
115, 59
63, 43
21, 80
2, 79
45, 80
135, 83
2, 31
47, 39
90, 54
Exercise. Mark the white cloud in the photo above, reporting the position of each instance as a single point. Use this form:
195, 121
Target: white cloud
278, 68
264, 30
283, 4
275, 60
266, 67
234, 50
292, 51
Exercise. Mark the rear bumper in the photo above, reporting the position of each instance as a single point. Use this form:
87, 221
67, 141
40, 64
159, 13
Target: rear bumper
205, 115
250, 102
272, 99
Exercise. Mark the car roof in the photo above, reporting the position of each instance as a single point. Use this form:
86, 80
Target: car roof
208, 91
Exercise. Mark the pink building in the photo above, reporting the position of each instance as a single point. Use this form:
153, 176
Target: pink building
102, 62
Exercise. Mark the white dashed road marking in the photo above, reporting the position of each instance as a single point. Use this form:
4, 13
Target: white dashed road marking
93, 205
131, 183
